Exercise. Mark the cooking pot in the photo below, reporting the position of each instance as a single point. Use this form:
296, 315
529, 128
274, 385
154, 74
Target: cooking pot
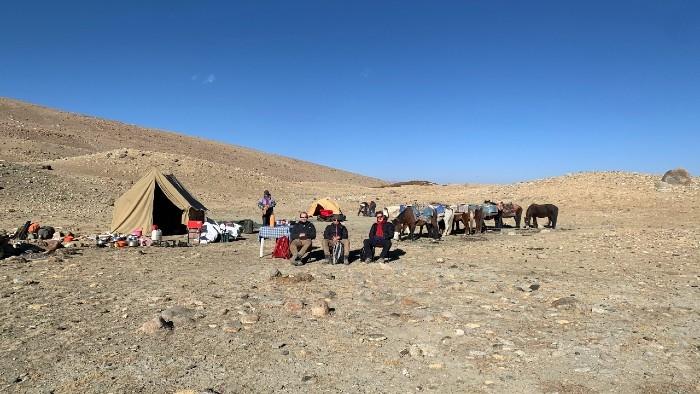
133, 242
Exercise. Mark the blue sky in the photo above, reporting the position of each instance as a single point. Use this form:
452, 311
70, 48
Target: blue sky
464, 91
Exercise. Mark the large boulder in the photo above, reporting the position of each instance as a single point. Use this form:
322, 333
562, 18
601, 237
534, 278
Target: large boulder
679, 176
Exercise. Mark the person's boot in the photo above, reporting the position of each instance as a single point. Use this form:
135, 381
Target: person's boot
329, 259
346, 260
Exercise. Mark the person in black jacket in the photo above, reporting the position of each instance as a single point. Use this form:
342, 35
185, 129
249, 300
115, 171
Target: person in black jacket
333, 234
380, 234
301, 234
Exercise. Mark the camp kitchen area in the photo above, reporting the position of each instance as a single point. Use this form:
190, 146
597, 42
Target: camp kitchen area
157, 210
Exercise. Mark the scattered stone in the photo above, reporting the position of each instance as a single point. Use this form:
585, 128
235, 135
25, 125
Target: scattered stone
294, 278
319, 308
440, 260
527, 287
436, 366
598, 310
541, 256
155, 325
294, 305
459, 332
275, 273
376, 337
473, 325
232, 326
250, 318
568, 303
179, 315
415, 351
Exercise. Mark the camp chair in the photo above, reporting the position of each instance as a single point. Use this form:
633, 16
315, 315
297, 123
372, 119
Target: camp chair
194, 229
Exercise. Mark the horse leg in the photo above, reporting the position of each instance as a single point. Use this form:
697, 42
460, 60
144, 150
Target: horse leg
517, 220
534, 221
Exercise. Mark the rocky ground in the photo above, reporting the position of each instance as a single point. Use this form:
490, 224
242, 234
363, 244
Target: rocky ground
607, 302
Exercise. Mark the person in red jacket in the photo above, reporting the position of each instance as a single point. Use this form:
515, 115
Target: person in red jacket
380, 234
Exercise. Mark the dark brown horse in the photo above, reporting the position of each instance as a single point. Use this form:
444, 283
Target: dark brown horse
534, 211
407, 218
508, 210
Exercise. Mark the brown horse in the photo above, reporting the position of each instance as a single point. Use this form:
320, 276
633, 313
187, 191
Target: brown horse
534, 211
407, 218
509, 210
473, 220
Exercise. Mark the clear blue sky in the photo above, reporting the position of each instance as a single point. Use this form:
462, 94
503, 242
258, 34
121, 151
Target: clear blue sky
464, 91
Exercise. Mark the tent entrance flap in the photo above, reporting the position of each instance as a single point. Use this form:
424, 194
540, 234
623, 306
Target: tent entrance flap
166, 215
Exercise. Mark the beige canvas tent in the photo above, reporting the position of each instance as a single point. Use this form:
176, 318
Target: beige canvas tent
324, 203
156, 199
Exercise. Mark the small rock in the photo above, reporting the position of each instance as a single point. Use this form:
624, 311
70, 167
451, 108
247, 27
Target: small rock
459, 332
376, 337
294, 305
319, 308
250, 318
232, 326
155, 325
473, 325
598, 310
440, 260
541, 255
275, 273
415, 351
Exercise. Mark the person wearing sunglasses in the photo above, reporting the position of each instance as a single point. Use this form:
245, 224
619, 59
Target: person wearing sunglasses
380, 234
334, 234
301, 235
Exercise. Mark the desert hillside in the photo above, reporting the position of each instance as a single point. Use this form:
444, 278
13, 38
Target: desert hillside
606, 302
32, 133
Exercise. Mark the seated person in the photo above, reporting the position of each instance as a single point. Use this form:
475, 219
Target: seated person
301, 235
333, 234
380, 234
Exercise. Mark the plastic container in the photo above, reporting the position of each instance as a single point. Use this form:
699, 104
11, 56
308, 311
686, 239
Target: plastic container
272, 220
157, 235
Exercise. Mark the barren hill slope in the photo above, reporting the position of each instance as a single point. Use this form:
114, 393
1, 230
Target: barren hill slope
32, 133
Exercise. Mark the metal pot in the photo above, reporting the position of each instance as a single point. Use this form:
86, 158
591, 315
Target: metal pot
133, 242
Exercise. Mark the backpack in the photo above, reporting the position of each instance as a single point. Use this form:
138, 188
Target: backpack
46, 232
282, 248
247, 225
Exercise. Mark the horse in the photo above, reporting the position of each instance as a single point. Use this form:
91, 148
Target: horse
447, 216
508, 210
549, 211
407, 218
473, 220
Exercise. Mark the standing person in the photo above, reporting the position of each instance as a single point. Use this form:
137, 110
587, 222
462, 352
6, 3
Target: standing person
380, 234
334, 233
301, 234
266, 205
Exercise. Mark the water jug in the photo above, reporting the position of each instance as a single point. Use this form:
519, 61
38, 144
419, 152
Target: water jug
157, 234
